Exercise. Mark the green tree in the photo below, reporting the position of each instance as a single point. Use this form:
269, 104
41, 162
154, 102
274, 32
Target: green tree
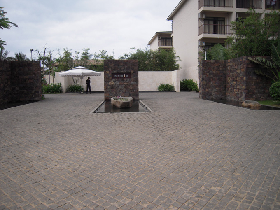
3, 53
253, 36
4, 23
158, 60
84, 59
86, 56
65, 61
271, 65
21, 57
48, 62
99, 59
218, 52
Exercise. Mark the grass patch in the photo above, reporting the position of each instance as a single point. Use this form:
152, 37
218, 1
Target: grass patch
270, 103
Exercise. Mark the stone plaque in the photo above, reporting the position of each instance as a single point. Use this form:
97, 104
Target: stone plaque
121, 75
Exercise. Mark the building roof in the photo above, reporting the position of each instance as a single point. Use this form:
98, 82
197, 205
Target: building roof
159, 33
177, 8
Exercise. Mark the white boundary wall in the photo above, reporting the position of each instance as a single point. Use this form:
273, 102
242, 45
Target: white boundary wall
148, 80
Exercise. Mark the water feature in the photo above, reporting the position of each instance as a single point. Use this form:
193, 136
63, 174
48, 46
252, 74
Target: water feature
107, 107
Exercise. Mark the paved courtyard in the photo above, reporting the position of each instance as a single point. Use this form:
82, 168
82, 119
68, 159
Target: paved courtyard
186, 154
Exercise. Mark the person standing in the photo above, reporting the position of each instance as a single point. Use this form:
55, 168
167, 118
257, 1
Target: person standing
88, 85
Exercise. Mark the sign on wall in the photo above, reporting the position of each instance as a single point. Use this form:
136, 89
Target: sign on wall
121, 79
121, 75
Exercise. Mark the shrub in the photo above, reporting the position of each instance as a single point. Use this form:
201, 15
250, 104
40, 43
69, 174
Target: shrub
74, 89
274, 91
52, 88
188, 85
218, 52
166, 87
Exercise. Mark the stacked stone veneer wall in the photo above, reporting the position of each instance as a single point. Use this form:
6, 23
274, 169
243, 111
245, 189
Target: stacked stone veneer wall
20, 81
121, 86
233, 80
212, 80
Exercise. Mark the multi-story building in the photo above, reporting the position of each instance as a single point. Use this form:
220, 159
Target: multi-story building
200, 24
161, 40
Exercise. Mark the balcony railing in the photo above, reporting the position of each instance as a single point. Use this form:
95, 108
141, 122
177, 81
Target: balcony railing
272, 4
247, 4
214, 29
165, 42
215, 3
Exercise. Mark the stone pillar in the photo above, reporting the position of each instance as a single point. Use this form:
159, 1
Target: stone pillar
121, 79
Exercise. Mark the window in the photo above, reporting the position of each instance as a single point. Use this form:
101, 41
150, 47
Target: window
165, 41
255, 4
272, 4
214, 25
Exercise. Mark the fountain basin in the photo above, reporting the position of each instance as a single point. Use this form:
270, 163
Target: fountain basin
122, 102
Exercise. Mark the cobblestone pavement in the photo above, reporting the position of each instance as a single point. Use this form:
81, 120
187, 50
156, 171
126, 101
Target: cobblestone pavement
186, 154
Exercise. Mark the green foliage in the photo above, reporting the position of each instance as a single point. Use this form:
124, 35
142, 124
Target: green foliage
271, 66
3, 53
18, 56
65, 61
253, 36
218, 52
158, 60
274, 91
166, 87
270, 103
99, 60
188, 85
5, 23
52, 88
44, 81
21, 57
85, 58
74, 89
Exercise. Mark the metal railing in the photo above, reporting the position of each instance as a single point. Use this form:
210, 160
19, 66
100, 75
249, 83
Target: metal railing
165, 43
247, 4
215, 3
214, 29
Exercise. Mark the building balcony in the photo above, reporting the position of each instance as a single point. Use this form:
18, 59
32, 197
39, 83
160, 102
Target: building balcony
247, 4
214, 29
215, 3
165, 42
272, 4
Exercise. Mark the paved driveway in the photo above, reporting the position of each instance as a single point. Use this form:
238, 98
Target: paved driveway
186, 154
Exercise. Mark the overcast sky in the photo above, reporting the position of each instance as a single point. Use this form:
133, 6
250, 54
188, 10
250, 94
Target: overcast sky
111, 25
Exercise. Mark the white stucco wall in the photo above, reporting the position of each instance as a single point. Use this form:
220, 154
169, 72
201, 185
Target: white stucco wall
185, 39
97, 82
154, 44
148, 80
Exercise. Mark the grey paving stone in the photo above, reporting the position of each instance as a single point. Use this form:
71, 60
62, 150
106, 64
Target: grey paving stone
186, 154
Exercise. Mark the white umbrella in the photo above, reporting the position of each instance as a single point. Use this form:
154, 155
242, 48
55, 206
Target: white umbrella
80, 72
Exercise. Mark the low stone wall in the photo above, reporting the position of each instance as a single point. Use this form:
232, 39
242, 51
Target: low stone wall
20, 81
233, 80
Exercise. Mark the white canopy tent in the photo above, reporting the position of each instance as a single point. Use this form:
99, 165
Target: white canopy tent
79, 72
